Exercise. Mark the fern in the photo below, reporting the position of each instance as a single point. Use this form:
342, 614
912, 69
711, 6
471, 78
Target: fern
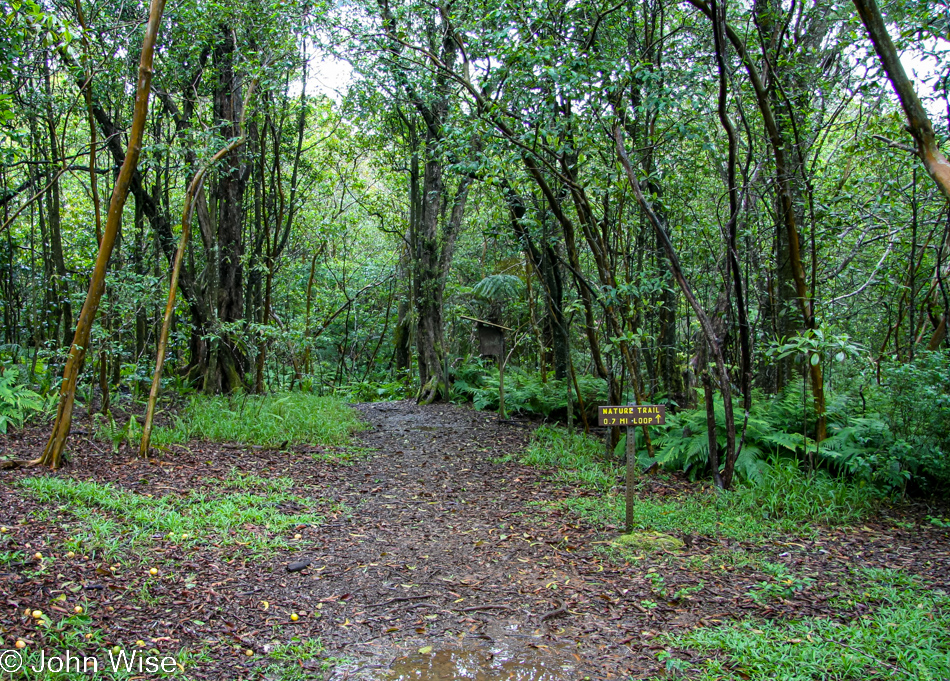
17, 402
525, 392
497, 287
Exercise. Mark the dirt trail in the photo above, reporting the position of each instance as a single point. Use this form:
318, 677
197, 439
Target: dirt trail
430, 542
445, 550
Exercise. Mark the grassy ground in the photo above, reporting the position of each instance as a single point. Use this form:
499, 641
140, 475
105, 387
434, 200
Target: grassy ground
900, 633
150, 538
788, 501
279, 421
904, 635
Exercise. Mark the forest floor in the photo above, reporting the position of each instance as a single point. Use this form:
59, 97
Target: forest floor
430, 553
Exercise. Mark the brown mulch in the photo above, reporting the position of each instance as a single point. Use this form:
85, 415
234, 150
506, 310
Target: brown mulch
437, 544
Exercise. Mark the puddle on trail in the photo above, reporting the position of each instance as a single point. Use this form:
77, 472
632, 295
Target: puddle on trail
480, 664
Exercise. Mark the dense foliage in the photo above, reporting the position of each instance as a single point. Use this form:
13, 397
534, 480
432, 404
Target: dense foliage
657, 201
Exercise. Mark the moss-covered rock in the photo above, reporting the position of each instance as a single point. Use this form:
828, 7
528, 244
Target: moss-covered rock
649, 541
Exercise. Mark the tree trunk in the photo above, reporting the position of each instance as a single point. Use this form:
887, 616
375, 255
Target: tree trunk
53, 453
918, 123
230, 363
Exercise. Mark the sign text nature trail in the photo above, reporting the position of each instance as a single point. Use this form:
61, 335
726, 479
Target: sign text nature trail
630, 416
633, 415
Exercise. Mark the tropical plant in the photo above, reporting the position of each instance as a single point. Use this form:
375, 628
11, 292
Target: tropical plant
17, 402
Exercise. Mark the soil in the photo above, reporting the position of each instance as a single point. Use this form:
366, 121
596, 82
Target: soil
440, 546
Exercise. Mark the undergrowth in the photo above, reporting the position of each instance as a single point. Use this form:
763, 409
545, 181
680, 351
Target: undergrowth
902, 636
268, 420
525, 391
785, 498
299, 661
117, 520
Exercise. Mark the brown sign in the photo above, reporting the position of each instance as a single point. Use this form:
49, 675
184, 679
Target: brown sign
491, 340
633, 415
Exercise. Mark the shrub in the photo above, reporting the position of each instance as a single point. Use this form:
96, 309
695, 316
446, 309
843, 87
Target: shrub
525, 392
17, 402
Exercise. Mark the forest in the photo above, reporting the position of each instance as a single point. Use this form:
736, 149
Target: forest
267, 267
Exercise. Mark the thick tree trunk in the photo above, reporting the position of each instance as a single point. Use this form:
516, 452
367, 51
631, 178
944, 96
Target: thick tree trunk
226, 375
162, 343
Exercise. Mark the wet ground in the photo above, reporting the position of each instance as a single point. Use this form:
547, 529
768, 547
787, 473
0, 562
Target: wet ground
435, 560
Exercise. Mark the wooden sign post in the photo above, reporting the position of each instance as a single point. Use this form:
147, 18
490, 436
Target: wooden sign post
491, 343
631, 416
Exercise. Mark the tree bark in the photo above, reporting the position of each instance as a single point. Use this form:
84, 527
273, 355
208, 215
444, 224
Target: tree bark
162, 343
53, 453
918, 123
225, 374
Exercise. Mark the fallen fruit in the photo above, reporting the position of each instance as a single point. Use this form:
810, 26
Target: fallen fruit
37, 614
78, 610
70, 554
21, 644
38, 555
298, 536
294, 617
4, 529
140, 643
116, 650
153, 571
248, 652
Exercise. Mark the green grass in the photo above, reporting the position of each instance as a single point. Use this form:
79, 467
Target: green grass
244, 481
117, 521
904, 636
268, 420
787, 500
75, 633
299, 661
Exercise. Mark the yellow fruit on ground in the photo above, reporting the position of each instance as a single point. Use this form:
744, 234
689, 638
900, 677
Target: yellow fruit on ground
37, 614
38, 555
70, 554
78, 610
4, 530
140, 643
298, 536
153, 571
294, 617
248, 652
21, 644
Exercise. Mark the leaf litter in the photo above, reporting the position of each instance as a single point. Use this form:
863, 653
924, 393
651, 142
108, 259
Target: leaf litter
432, 556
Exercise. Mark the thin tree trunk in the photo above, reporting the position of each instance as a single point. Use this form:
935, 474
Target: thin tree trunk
53, 453
708, 331
918, 123
162, 344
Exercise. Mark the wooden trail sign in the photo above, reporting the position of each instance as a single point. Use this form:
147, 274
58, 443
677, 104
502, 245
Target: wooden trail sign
631, 416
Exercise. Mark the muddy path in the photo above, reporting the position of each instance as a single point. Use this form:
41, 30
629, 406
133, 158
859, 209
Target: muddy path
451, 552
431, 538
